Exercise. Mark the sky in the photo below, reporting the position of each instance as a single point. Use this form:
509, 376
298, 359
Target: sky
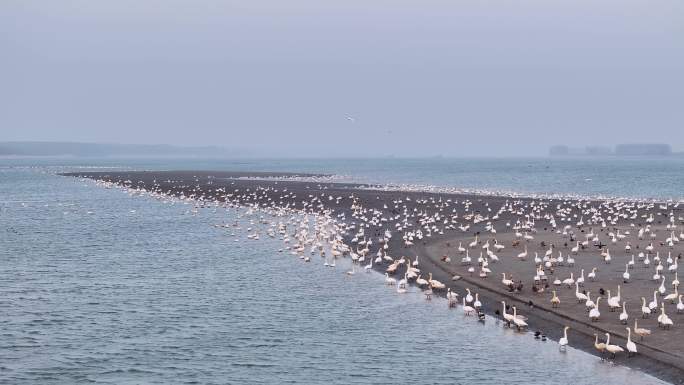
345, 78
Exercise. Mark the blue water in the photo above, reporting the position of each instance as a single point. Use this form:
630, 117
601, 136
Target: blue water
97, 286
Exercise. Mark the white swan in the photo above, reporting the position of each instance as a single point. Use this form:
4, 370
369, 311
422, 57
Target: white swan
592, 275
555, 301
624, 316
523, 255
625, 275
468, 297
612, 349
507, 317
477, 304
580, 280
664, 321
461, 249
369, 266
467, 310
506, 282
594, 313
452, 298
653, 304
600, 346
631, 346
563, 342
519, 323
389, 280
641, 332
645, 310
473, 243
589, 304
580, 296
661, 289
672, 297
569, 281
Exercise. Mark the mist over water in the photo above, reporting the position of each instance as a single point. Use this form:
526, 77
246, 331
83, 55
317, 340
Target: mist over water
417, 78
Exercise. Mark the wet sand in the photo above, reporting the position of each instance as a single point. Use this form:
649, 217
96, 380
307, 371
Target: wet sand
660, 354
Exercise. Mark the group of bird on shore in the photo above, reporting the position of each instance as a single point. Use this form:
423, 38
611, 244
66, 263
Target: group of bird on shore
386, 235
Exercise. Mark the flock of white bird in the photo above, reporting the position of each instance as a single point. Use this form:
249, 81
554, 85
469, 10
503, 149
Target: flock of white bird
379, 236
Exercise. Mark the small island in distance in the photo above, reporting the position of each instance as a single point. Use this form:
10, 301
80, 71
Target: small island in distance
638, 149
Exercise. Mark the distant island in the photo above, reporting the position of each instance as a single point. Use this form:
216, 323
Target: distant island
639, 149
110, 150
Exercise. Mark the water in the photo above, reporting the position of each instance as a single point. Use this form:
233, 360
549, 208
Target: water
638, 177
98, 286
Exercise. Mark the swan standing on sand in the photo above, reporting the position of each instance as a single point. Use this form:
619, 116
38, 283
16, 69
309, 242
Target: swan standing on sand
594, 313
653, 304
661, 288
580, 296
580, 280
613, 302
631, 346
473, 244
625, 275
672, 297
555, 301
589, 304
569, 281
624, 316
461, 249
664, 321
592, 275
645, 310
641, 332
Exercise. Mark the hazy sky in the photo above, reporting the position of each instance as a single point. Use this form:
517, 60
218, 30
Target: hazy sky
423, 77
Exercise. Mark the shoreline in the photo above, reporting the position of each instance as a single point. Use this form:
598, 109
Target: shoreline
385, 187
429, 189
662, 363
